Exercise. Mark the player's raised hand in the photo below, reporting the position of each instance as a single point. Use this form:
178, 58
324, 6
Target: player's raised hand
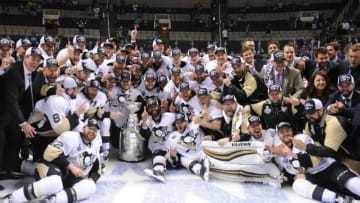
82, 108
59, 90
227, 80
144, 115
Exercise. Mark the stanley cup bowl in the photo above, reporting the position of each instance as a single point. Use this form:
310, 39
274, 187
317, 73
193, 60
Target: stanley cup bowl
133, 106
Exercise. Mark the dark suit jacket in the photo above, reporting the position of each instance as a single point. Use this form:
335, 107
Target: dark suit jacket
332, 71
344, 69
15, 102
346, 112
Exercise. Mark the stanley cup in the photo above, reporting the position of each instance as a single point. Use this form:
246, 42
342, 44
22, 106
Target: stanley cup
131, 144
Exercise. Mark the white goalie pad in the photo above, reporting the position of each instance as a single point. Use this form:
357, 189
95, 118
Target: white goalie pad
235, 151
243, 179
243, 162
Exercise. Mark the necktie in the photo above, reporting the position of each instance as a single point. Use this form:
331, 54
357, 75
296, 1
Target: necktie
31, 90
347, 102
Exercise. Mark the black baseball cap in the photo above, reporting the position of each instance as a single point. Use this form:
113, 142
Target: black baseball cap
312, 105
31, 51
199, 68
346, 78
184, 86
228, 97
274, 87
50, 61
202, 91
151, 101
125, 75
220, 49
94, 83
92, 123
181, 117
156, 54
253, 119
150, 76
279, 56
120, 59
214, 74
175, 70
282, 125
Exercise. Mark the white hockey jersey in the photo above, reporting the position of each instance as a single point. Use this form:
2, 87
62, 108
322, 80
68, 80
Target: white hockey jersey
160, 131
285, 163
188, 143
77, 152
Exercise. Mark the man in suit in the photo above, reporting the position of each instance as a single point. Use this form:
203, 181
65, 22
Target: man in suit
352, 65
15, 107
343, 101
321, 63
278, 73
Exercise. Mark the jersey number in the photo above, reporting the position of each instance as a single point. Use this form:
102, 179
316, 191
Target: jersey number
56, 118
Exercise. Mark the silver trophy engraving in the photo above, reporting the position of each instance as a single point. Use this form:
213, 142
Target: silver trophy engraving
131, 144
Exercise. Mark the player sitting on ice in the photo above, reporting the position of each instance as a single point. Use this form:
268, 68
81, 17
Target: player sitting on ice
68, 170
185, 147
306, 177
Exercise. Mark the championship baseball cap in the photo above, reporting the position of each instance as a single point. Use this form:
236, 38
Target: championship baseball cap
120, 59
78, 39
181, 117
33, 51
145, 55
92, 122
282, 125
214, 74
5, 42
162, 79
184, 86
100, 51
346, 78
175, 70
50, 61
94, 83
151, 101
279, 56
157, 42
176, 52
47, 39
253, 119
156, 54
274, 87
211, 46
237, 61
220, 49
107, 42
125, 75
312, 105
86, 65
69, 82
23, 43
150, 76
193, 50
199, 68
228, 97
202, 91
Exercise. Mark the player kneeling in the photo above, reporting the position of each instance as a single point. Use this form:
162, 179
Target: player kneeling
68, 170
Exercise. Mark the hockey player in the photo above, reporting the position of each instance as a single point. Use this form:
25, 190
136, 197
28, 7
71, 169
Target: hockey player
291, 157
231, 121
96, 101
68, 170
184, 145
156, 127
55, 115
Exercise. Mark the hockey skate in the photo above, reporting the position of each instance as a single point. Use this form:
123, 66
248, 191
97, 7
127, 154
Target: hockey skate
205, 168
6, 199
155, 174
